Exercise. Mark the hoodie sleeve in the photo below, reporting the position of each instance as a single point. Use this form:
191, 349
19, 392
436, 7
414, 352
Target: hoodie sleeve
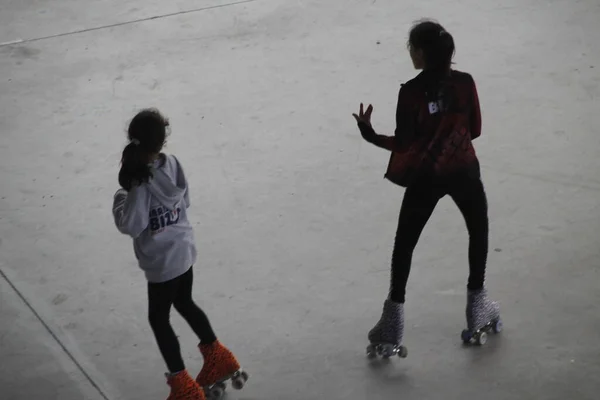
130, 211
182, 182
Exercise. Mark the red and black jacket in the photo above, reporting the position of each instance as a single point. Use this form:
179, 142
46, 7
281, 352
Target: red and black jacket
434, 128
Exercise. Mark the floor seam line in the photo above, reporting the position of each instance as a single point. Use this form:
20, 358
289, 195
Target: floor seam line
117, 24
54, 336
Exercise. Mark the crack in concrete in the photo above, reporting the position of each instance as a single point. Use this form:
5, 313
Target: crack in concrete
135, 21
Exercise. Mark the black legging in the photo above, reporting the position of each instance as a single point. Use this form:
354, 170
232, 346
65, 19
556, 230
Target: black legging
176, 292
419, 202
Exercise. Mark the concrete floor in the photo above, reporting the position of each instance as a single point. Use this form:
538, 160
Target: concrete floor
294, 221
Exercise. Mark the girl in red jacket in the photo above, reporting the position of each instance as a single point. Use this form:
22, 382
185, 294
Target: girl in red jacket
432, 155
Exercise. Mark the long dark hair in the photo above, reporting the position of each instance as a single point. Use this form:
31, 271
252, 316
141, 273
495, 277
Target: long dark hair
437, 45
147, 133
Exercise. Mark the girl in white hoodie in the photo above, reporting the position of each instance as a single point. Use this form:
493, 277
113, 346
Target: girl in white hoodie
151, 207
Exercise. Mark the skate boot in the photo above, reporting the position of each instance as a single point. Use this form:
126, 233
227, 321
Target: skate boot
183, 387
483, 316
219, 366
386, 337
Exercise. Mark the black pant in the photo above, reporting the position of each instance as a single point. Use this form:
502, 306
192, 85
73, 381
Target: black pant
419, 202
176, 292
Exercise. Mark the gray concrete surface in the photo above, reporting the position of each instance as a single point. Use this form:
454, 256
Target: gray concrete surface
34, 365
294, 221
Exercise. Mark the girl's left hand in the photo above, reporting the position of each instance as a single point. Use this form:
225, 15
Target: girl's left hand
364, 116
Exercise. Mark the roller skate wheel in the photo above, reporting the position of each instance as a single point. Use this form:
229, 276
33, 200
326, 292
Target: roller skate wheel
497, 326
237, 383
402, 352
387, 351
239, 380
371, 351
466, 336
217, 392
481, 338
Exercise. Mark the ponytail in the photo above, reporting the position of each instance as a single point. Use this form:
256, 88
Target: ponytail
438, 49
134, 167
439, 57
147, 133
441, 66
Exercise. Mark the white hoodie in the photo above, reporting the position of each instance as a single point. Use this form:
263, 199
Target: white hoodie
154, 214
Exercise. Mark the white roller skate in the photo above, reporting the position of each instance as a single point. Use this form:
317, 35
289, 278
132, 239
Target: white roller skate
386, 337
483, 317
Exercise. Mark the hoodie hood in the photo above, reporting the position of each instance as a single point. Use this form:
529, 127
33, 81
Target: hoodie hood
168, 192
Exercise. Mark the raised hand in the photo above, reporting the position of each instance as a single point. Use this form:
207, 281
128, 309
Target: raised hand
364, 116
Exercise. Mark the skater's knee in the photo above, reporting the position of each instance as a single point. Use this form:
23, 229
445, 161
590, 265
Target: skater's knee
158, 319
184, 306
477, 224
404, 245
478, 231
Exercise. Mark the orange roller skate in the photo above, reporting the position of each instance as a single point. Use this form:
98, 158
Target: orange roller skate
220, 365
183, 387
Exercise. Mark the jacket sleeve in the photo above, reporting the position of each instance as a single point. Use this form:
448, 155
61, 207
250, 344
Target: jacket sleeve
404, 132
130, 211
405, 117
475, 118
182, 182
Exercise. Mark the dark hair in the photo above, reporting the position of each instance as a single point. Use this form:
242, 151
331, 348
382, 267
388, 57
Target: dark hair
437, 45
147, 133
435, 42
